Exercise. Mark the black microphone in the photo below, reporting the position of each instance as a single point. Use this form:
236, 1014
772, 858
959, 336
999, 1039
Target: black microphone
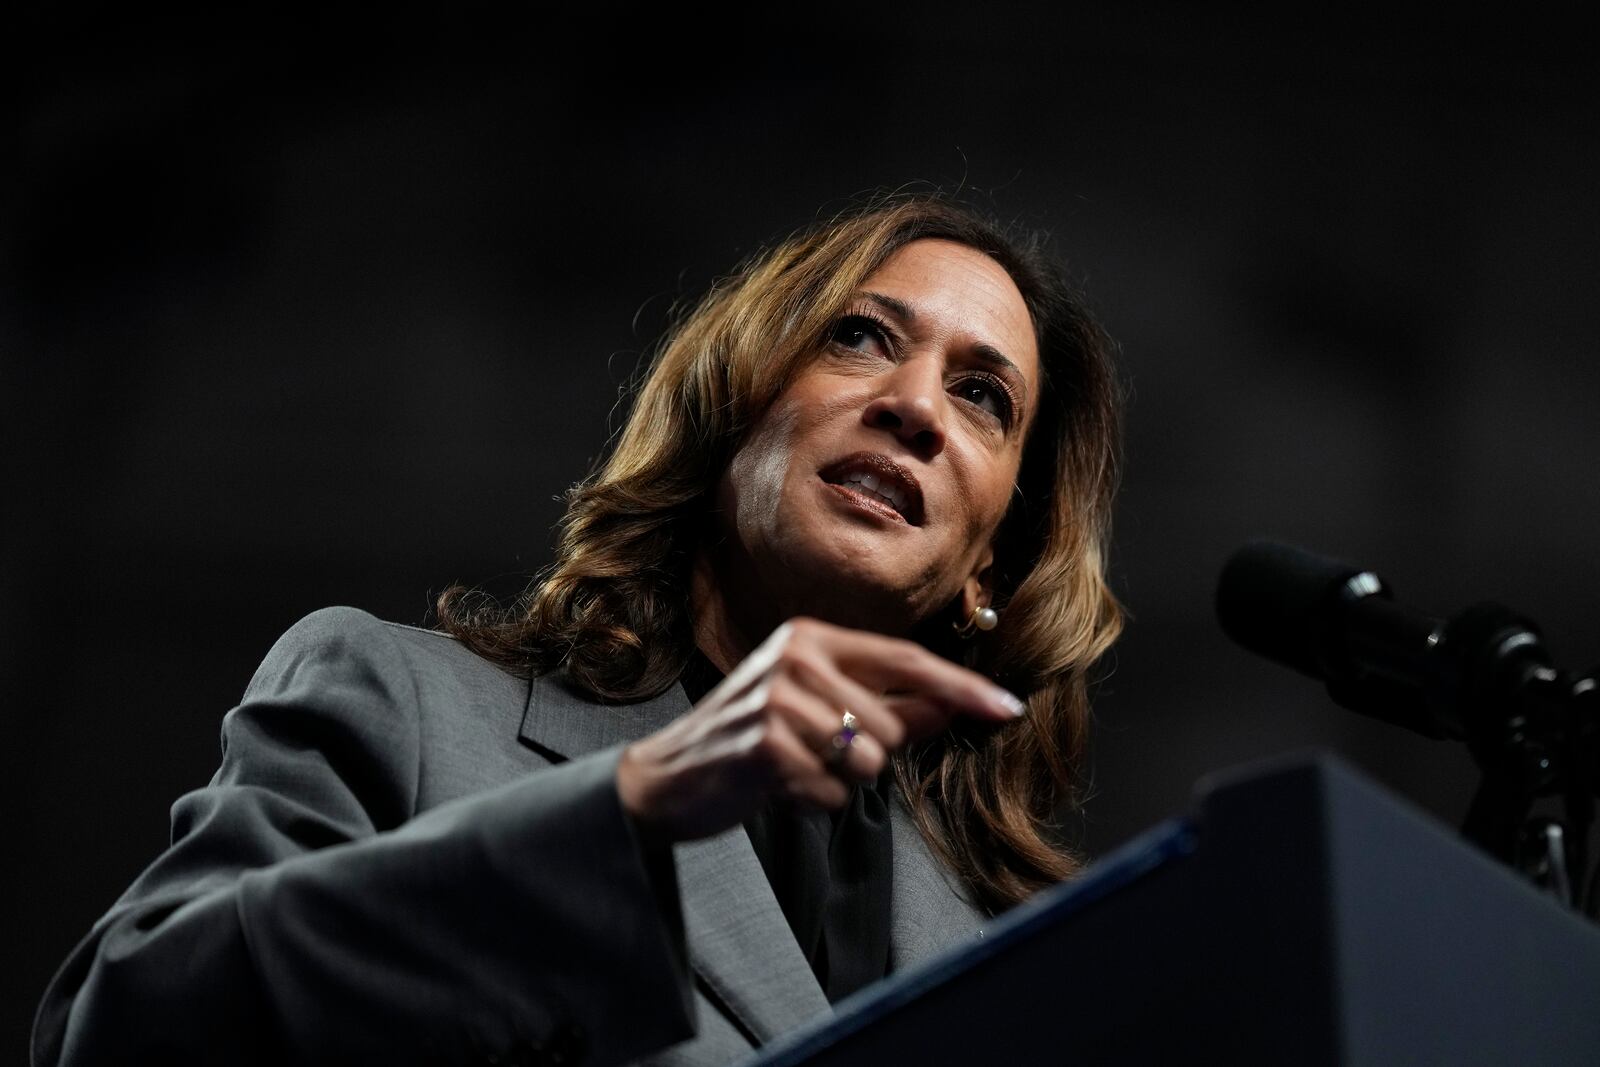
1482, 676
1340, 623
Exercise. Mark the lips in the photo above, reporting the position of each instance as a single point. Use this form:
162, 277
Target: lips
877, 479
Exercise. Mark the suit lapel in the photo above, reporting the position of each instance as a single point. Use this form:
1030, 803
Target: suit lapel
739, 942
561, 723
929, 910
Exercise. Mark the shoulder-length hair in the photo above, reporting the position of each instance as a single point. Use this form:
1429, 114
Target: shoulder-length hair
613, 609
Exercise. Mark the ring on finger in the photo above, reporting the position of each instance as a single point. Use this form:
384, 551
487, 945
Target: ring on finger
840, 743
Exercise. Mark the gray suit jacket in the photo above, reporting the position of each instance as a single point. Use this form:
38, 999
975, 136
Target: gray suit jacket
409, 855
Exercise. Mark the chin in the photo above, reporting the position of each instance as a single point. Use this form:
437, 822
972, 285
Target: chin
851, 586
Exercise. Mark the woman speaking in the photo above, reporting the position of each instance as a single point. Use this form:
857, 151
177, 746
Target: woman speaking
793, 707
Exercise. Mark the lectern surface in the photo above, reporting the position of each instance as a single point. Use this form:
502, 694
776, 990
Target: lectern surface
1302, 915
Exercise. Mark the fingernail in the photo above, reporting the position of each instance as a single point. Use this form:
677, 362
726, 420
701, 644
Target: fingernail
1010, 701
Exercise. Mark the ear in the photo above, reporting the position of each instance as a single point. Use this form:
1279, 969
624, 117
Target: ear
978, 589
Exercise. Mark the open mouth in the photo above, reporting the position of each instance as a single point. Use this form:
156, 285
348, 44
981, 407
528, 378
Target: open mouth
878, 482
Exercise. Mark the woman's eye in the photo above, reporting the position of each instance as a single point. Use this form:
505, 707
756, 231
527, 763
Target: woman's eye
986, 396
861, 334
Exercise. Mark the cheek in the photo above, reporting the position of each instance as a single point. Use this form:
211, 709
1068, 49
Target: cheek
754, 481
987, 489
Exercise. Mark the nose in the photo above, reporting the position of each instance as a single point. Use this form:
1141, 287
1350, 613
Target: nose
910, 404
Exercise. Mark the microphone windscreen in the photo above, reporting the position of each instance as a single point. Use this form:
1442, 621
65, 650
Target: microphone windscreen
1281, 602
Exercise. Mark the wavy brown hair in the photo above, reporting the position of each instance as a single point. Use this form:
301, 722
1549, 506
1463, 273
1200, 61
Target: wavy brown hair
613, 611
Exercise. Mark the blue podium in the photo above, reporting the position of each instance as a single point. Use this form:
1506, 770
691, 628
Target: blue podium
1302, 915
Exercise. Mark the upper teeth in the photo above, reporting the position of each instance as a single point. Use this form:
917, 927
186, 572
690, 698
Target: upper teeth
881, 488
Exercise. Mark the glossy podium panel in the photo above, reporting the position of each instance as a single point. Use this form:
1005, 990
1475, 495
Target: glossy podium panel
1303, 915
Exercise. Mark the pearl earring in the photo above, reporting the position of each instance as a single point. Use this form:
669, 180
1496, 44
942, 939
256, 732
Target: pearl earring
984, 619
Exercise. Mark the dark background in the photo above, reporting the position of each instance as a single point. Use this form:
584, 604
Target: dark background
313, 314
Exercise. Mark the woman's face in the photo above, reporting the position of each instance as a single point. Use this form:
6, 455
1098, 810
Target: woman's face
870, 491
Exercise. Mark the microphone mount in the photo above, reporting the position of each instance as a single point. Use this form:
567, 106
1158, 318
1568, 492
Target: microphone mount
1483, 677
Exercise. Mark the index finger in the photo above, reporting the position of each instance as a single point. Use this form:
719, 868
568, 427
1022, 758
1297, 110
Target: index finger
892, 663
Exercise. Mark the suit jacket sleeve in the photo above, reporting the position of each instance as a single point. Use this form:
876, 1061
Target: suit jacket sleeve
303, 914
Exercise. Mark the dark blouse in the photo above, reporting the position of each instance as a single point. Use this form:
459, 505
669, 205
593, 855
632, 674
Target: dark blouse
830, 871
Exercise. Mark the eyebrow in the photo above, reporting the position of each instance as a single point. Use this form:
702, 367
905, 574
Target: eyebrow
986, 353
895, 306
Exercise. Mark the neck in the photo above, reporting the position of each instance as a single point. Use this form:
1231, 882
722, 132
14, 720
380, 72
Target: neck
723, 636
